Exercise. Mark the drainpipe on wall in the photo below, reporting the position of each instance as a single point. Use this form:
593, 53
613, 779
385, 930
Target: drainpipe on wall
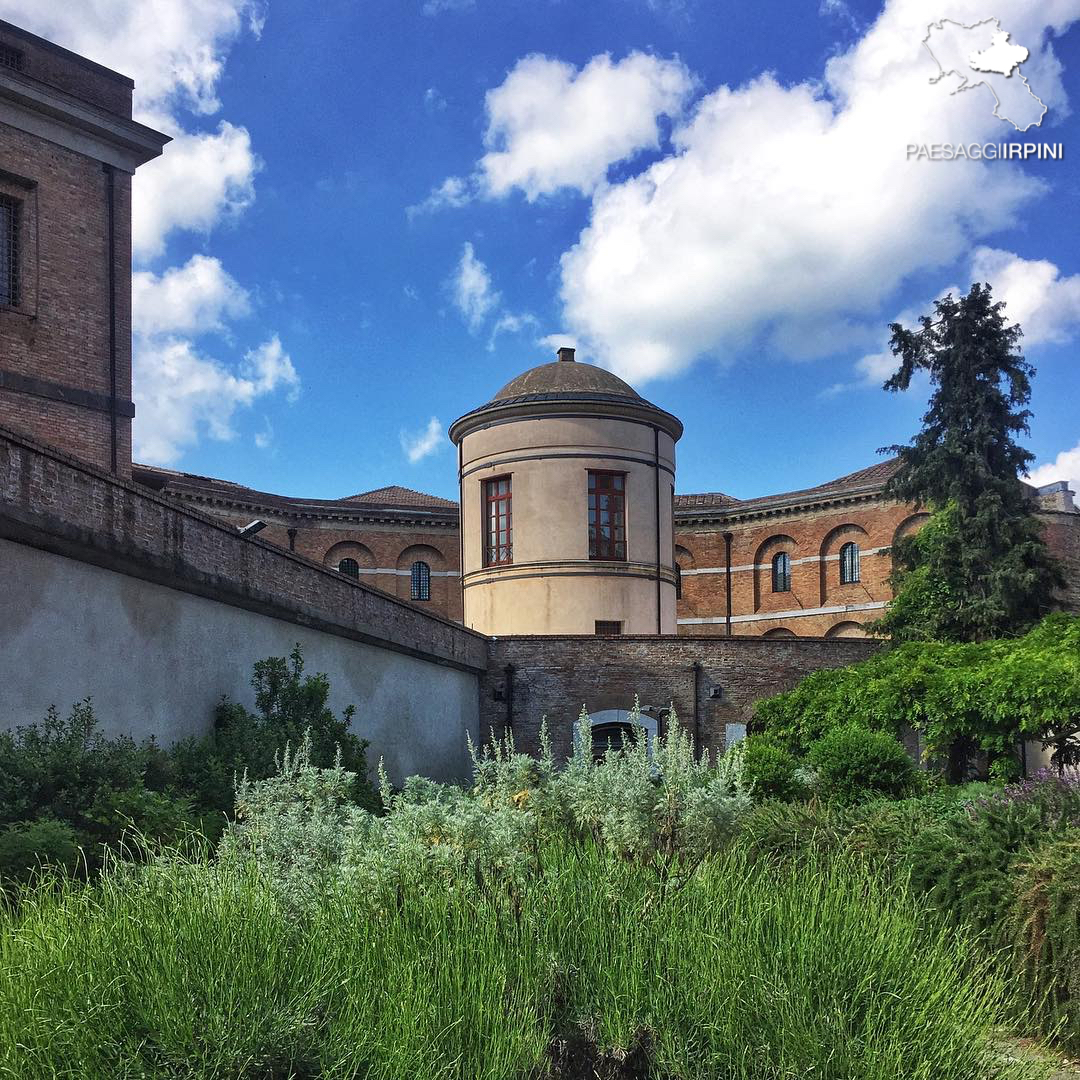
656, 462
461, 531
727, 576
695, 668
110, 216
292, 539
508, 671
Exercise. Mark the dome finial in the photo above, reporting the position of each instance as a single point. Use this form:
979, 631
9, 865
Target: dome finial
566, 354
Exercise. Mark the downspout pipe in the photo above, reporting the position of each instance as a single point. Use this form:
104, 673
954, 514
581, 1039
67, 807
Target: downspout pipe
695, 669
727, 581
110, 219
508, 671
656, 462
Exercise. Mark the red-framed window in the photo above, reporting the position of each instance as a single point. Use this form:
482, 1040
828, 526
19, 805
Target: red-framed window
498, 522
607, 516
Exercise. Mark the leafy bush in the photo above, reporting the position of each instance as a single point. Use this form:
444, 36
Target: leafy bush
854, 764
289, 706
105, 789
27, 845
986, 695
771, 770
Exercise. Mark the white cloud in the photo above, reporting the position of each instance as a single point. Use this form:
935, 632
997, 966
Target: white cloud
786, 208
418, 445
200, 180
1066, 466
452, 193
434, 101
471, 289
1036, 295
181, 393
551, 126
509, 323
437, 7
195, 298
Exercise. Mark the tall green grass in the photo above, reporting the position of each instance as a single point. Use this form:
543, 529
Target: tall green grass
738, 971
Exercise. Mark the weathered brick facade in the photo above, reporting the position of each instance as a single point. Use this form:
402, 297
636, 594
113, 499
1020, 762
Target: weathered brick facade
710, 682
68, 147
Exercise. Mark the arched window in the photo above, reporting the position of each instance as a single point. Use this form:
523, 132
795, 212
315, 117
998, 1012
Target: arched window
350, 568
678, 582
849, 563
420, 575
781, 572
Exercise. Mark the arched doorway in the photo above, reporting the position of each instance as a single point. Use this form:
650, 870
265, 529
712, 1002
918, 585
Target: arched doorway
614, 727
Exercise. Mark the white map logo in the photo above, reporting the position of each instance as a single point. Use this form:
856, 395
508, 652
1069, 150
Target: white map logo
982, 55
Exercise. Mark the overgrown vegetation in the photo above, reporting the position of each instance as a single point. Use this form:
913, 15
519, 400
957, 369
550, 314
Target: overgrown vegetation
984, 696
547, 923
65, 785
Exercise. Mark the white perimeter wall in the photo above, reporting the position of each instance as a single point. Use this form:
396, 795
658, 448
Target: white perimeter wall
156, 661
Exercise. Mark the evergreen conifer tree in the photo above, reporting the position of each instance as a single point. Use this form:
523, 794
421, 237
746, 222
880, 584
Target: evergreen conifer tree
979, 568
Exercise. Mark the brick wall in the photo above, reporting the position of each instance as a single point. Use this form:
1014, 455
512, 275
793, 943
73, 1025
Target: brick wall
52, 501
554, 676
56, 339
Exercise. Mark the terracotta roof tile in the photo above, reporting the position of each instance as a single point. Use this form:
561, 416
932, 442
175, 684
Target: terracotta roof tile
395, 495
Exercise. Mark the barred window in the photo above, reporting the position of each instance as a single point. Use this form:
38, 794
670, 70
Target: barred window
849, 564
350, 568
420, 576
12, 58
678, 582
9, 250
608, 628
781, 572
498, 522
607, 516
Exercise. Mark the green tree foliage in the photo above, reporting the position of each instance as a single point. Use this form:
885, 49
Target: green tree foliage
770, 769
854, 765
986, 694
979, 569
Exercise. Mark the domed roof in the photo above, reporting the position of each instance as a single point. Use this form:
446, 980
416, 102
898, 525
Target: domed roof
561, 377
562, 387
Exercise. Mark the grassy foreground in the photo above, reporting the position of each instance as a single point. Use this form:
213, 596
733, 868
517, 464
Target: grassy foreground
195, 969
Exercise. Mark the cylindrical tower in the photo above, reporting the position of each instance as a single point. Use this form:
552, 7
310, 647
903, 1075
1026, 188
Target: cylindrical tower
567, 482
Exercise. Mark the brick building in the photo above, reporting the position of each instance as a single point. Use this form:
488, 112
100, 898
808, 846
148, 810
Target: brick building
68, 149
811, 563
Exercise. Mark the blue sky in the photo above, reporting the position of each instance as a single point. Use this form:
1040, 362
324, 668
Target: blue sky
375, 214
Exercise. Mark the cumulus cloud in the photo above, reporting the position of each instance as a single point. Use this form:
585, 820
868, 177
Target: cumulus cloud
418, 445
1037, 296
200, 180
551, 126
471, 289
182, 393
437, 7
788, 208
1066, 466
195, 298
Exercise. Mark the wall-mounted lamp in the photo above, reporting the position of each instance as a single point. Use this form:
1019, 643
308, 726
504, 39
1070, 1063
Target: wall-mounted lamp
252, 527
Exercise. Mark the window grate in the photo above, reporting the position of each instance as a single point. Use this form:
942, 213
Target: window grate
849, 564
609, 629
607, 516
12, 58
781, 572
350, 568
420, 575
9, 251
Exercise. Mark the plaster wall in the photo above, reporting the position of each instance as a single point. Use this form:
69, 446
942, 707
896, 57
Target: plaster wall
72, 630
